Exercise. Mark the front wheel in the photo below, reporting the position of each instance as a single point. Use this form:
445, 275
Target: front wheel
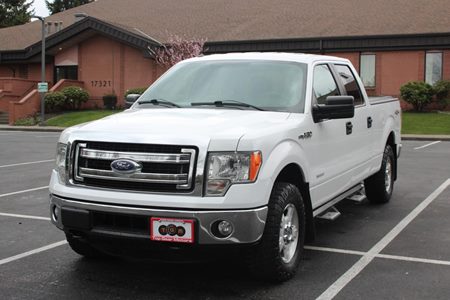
277, 256
380, 185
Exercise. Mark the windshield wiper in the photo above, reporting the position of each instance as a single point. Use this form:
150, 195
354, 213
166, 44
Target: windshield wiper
159, 102
223, 103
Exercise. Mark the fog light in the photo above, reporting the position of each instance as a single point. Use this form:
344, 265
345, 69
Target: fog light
225, 228
55, 213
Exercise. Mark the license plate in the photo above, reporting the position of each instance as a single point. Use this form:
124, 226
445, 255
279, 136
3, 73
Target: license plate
172, 230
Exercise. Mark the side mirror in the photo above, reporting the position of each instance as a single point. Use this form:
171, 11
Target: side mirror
130, 99
335, 107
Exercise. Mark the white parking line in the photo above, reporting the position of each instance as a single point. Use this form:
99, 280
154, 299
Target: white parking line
24, 216
28, 253
24, 191
415, 259
27, 163
335, 250
348, 276
386, 256
424, 146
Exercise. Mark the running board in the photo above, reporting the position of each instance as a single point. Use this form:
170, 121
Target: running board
339, 198
359, 196
331, 214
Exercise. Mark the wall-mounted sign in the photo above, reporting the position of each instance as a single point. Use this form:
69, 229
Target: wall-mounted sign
42, 87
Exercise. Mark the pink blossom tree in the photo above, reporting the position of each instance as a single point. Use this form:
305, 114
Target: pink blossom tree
178, 48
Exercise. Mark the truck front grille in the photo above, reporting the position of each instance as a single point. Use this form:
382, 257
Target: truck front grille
165, 168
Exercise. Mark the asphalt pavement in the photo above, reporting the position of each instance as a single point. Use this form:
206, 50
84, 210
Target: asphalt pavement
395, 251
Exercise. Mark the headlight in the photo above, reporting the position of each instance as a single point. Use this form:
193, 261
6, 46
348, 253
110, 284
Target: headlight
227, 168
61, 153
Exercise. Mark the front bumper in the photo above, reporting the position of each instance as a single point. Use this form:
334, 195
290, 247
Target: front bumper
248, 224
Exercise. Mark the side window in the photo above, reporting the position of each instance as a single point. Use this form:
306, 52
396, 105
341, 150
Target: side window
349, 82
324, 84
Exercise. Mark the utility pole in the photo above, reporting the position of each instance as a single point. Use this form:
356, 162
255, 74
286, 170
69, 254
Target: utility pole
43, 86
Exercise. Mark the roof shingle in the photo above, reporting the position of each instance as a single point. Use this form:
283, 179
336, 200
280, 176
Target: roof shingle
234, 20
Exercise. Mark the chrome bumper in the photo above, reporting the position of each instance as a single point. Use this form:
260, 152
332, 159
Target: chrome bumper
248, 224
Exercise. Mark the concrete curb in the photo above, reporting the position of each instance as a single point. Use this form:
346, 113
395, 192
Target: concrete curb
32, 128
405, 137
419, 137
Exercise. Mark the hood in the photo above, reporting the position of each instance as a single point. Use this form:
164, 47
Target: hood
218, 128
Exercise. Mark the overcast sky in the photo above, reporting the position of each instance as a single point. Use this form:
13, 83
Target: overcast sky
40, 8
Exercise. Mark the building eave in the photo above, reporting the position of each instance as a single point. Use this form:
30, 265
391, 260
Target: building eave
88, 23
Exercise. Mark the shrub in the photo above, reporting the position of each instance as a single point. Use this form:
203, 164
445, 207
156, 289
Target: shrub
139, 90
75, 96
442, 93
417, 93
110, 101
54, 101
30, 121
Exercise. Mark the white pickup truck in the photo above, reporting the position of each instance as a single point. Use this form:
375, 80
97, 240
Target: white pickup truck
235, 151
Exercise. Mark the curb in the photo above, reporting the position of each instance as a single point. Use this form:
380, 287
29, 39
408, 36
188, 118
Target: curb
31, 128
417, 137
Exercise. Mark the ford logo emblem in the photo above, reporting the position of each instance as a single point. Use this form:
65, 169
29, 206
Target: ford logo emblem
126, 166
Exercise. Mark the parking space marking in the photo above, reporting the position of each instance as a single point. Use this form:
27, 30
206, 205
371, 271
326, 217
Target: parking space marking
414, 259
427, 145
351, 273
27, 163
31, 252
24, 216
386, 256
335, 250
24, 191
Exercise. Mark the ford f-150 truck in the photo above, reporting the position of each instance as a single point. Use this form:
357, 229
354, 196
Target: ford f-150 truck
226, 151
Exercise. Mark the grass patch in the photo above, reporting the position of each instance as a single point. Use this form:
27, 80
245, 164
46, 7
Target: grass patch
78, 117
425, 123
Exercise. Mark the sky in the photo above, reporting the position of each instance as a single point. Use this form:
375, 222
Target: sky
40, 9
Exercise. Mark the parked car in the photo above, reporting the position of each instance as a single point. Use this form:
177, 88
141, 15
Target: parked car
234, 151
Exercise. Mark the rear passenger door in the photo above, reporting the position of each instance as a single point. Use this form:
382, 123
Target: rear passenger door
360, 141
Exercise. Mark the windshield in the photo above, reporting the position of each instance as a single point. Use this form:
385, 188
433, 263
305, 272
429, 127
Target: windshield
270, 85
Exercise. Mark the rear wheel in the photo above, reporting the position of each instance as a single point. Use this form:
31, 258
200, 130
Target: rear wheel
277, 256
380, 185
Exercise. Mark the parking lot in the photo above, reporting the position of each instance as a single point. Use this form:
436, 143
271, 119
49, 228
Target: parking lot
396, 251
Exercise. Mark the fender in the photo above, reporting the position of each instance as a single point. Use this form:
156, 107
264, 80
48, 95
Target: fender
283, 154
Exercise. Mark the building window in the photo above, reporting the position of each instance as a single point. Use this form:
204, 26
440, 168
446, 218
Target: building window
433, 67
66, 72
367, 69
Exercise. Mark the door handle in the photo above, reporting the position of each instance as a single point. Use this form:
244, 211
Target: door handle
349, 128
369, 122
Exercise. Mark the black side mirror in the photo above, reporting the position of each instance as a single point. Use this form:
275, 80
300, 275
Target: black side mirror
335, 107
130, 99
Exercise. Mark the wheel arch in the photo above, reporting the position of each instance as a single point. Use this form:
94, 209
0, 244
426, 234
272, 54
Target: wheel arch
293, 173
391, 141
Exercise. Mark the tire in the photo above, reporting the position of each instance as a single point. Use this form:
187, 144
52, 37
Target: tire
82, 247
380, 185
265, 260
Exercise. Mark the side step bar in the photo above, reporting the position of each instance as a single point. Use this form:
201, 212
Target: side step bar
331, 214
339, 198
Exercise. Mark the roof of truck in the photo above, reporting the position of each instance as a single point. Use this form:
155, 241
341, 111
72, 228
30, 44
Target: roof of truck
279, 56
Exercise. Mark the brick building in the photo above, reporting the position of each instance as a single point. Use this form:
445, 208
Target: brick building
107, 49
